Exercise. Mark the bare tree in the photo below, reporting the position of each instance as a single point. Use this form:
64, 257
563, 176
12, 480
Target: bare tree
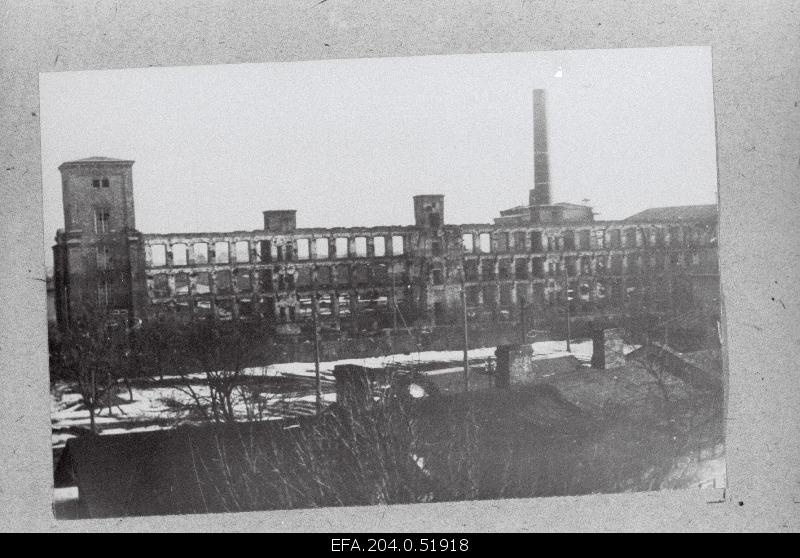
90, 353
219, 352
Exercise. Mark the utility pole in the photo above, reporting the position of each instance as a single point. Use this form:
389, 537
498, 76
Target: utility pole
394, 303
317, 377
566, 293
464, 315
522, 326
466, 332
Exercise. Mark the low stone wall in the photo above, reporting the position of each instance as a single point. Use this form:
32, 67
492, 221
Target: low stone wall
701, 369
546, 367
400, 342
608, 348
452, 381
518, 365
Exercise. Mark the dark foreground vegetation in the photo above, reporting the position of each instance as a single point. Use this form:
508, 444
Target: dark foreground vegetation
636, 428
493, 444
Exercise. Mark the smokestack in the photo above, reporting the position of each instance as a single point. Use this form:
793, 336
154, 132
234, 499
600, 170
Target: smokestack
540, 195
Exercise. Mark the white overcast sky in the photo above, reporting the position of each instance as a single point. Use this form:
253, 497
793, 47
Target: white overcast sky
349, 142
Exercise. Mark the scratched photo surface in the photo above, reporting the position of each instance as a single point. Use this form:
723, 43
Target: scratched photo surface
379, 281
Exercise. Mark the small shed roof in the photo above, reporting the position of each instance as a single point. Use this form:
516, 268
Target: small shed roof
677, 213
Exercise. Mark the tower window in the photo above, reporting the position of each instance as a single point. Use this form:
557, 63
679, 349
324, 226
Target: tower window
101, 221
102, 257
102, 294
96, 183
104, 182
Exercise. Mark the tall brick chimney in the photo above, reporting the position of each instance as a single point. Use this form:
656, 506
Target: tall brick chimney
540, 195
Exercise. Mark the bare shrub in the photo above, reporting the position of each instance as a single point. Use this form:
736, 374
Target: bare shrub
91, 353
344, 457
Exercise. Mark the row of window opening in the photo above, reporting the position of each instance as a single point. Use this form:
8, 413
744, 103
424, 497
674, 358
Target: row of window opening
269, 251
584, 240
282, 280
578, 293
507, 269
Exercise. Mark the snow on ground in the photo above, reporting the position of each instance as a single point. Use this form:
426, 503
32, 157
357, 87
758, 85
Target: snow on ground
167, 406
581, 350
157, 406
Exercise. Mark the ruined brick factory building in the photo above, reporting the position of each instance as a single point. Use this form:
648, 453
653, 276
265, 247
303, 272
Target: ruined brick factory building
662, 260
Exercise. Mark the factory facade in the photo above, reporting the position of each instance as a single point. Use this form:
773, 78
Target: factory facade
366, 278
534, 260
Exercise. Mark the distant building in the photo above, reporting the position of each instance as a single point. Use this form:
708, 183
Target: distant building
50, 287
662, 260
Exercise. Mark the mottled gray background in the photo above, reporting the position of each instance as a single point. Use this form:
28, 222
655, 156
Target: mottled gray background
755, 51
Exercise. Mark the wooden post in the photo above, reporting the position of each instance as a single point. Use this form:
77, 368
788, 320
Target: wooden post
466, 332
317, 377
566, 297
394, 302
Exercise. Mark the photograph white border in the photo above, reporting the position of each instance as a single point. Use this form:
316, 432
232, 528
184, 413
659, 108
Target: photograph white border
756, 84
